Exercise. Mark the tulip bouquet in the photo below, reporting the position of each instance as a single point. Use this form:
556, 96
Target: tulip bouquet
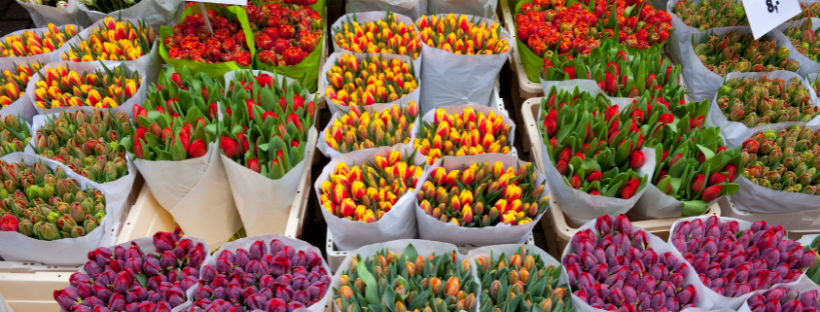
765, 100
261, 278
108, 6
14, 135
615, 267
31, 43
595, 153
88, 145
618, 72
47, 205
783, 160
285, 35
813, 272
734, 259
374, 79
266, 124
61, 86
190, 44
414, 283
13, 85
515, 273
735, 51
139, 277
176, 122
362, 129
704, 15
803, 39
464, 132
483, 195
114, 40
57, 4
383, 36
457, 34
367, 191
786, 299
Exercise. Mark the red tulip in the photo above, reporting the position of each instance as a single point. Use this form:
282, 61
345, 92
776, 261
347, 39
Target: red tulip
594, 176
197, 149
177, 79
253, 164
229, 146
637, 160
716, 178
575, 182
712, 192
630, 188
697, 185
731, 172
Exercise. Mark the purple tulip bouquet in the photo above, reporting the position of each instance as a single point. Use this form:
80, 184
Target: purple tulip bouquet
800, 297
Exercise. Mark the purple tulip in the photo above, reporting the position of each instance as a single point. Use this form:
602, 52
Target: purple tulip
116, 302
257, 250
197, 255
100, 309
255, 302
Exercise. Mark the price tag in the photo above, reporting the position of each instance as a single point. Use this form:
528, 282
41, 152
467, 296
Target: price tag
765, 15
228, 2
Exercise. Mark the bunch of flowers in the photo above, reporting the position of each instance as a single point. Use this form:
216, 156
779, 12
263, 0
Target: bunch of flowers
300, 2
45, 204
516, 274
191, 40
756, 102
88, 145
129, 279
596, 153
456, 34
366, 192
115, 40
735, 51
360, 129
266, 124
261, 279
58, 4
617, 269
783, 299
733, 262
385, 35
483, 195
14, 135
616, 73
463, 134
108, 6
178, 118
31, 43
807, 10
13, 85
433, 283
284, 34
813, 272
62, 87
704, 15
803, 39
783, 160
373, 80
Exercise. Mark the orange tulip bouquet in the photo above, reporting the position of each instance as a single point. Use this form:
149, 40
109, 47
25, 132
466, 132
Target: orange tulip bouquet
369, 127
369, 196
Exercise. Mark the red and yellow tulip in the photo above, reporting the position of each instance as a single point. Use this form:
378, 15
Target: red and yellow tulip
463, 134
60, 87
359, 129
366, 192
460, 35
115, 40
31, 43
13, 86
352, 82
386, 35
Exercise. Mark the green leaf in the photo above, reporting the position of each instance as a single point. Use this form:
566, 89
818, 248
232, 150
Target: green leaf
371, 285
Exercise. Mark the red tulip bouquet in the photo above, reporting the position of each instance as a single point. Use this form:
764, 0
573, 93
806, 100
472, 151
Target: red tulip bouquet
595, 160
733, 258
265, 135
190, 44
289, 40
174, 146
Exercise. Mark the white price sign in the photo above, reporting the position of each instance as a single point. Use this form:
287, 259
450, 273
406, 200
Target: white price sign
765, 15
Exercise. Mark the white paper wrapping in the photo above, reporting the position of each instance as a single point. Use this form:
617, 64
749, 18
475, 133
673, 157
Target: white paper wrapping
365, 17
433, 229
153, 12
196, 193
148, 65
734, 132
801, 287
719, 301
655, 204
704, 302
22, 108
481, 8
127, 107
449, 77
584, 85
44, 14
410, 8
246, 243
424, 249
65, 251
336, 107
332, 153
398, 223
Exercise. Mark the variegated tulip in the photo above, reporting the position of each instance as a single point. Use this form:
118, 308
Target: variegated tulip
352, 82
123, 42
385, 35
61, 86
366, 192
13, 85
460, 35
463, 134
108, 6
87, 143
483, 195
31, 43
524, 274
704, 15
764, 100
361, 129
14, 135
783, 160
735, 51
419, 283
